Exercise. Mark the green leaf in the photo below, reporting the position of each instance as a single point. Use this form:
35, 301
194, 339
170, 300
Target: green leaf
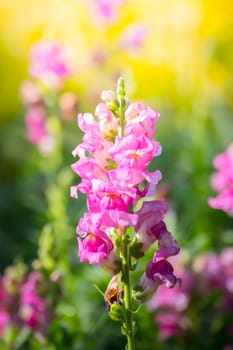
23, 336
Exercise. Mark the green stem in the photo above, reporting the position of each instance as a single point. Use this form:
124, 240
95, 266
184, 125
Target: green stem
129, 324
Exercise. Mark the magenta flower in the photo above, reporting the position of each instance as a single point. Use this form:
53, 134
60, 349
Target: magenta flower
94, 248
161, 270
49, 63
175, 299
151, 228
222, 182
157, 273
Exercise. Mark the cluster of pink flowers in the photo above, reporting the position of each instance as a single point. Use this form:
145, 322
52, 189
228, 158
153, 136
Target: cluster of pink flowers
121, 192
215, 272
21, 302
222, 181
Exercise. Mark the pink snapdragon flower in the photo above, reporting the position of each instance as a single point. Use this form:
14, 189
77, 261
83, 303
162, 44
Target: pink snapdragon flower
50, 63
124, 217
222, 181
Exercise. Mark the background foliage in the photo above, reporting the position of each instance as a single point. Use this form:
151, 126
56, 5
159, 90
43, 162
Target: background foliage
183, 68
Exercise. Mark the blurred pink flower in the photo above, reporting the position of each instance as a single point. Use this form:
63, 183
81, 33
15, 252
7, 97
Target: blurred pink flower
208, 267
37, 134
4, 321
33, 309
50, 63
35, 120
133, 37
222, 182
170, 324
106, 9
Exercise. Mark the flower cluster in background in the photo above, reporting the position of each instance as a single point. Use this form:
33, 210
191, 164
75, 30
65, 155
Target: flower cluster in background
222, 181
50, 66
26, 300
207, 286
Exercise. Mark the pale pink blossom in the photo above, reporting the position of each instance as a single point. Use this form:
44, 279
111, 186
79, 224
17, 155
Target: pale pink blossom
93, 141
140, 120
108, 125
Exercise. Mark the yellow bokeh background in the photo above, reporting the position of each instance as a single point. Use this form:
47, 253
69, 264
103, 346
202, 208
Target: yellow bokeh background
187, 53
